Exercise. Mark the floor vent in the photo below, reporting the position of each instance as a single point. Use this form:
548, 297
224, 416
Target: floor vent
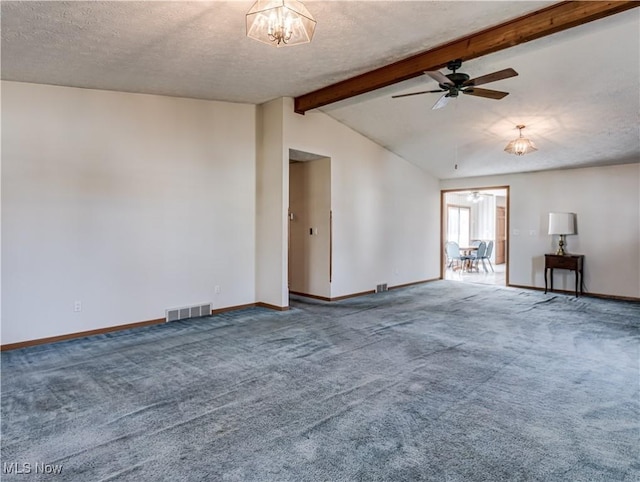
195, 311
382, 287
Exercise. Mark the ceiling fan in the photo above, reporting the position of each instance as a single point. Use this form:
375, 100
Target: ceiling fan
455, 83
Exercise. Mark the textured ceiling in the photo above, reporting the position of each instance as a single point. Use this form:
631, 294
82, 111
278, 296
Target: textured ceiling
577, 90
578, 93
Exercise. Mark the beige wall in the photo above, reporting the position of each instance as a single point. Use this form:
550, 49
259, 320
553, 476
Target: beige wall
128, 203
272, 198
133, 204
606, 201
386, 211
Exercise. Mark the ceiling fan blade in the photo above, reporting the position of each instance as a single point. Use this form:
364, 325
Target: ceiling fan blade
442, 101
439, 77
417, 93
487, 93
485, 79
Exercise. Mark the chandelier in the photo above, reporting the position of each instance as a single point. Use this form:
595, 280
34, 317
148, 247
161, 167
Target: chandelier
520, 146
280, 22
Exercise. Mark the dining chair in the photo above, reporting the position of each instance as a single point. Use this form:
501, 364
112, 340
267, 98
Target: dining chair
452, 251
478, 256
487, 255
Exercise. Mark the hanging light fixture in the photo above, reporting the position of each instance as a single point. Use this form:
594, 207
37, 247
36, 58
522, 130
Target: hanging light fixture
280, 22
520, 146
475, 197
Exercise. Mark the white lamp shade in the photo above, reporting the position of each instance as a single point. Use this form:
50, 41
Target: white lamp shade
280, 22
562, 223
520, 146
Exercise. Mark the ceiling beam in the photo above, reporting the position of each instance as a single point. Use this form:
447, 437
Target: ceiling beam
547, 21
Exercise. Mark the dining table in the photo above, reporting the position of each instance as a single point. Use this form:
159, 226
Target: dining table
467, 251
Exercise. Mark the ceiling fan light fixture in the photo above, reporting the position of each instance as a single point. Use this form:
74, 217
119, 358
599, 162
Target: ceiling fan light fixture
280, 22
451, 85
521, 145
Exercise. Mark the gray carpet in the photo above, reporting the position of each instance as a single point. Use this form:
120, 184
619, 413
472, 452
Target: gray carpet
444, 381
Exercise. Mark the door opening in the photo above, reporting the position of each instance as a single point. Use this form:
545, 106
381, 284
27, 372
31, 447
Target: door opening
474, 232
309, 236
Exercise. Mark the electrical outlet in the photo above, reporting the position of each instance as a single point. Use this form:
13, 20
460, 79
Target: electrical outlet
217, 289
77, 306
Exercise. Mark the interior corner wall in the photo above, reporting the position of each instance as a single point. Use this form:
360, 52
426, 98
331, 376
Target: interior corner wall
127, 203
386, 211
272, 198
606, 201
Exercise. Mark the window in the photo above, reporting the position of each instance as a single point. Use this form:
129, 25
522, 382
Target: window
458, 224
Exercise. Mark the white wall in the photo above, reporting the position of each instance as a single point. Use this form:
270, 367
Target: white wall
133, 204
386, 211
128, 203
136, 203
484, 219
606, 201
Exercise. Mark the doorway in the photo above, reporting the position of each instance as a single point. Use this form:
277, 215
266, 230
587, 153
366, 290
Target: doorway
474, 232
309, 234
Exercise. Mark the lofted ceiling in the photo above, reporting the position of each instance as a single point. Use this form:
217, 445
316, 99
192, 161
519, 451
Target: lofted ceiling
577, 91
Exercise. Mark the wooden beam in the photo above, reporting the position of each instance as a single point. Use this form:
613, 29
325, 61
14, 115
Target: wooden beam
547, 21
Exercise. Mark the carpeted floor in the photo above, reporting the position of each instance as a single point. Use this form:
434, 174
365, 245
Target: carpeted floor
444, 381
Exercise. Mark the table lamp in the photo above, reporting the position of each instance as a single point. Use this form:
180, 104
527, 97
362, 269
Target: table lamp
561, 224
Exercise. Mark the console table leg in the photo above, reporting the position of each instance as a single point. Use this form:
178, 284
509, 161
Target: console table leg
581, 283
545, 280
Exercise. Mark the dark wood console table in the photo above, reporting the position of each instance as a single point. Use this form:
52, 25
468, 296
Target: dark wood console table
573, 262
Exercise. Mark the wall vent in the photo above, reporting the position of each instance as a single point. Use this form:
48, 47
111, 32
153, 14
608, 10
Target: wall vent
381, 287
195, 311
